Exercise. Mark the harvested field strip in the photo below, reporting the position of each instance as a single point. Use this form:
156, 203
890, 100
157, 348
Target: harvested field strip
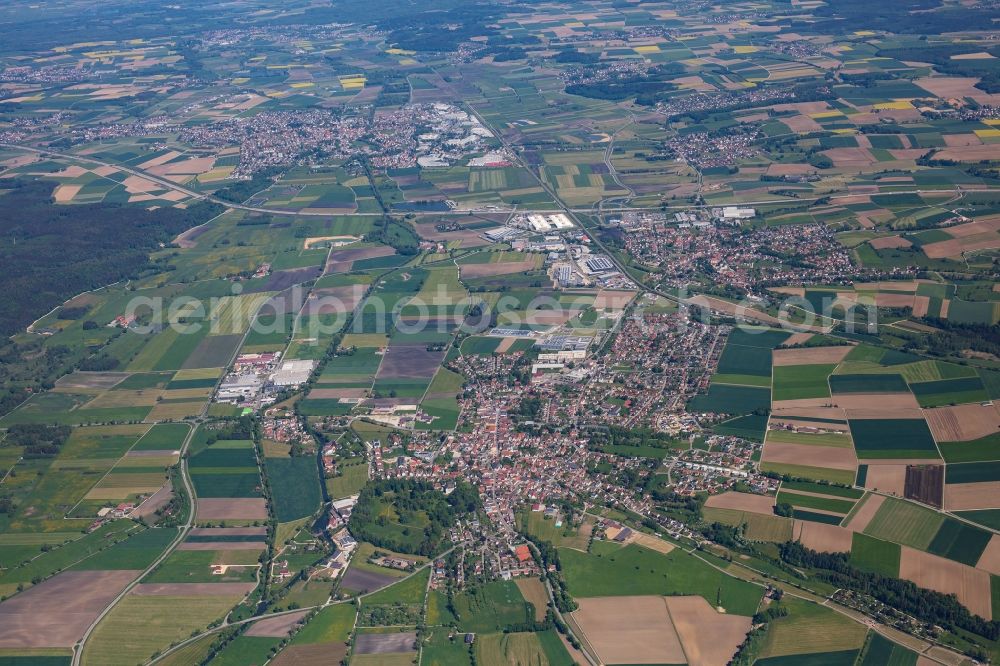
812, 456
863, 512
822, 537
763, 504
811, 356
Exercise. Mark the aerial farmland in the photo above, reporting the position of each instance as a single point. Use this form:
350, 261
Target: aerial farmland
499, 332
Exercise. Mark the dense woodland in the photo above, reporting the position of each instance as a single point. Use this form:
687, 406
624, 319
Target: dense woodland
52, 252
39, 441
369, 521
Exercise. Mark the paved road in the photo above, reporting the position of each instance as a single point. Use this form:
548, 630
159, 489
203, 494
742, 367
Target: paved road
181, 534
562, 209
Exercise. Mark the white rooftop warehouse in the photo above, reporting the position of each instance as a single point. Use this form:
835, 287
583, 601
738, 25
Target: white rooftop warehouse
293, 373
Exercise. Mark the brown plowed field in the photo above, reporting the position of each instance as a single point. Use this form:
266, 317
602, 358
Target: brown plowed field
971, 586
221, 508
321, 654
743, 502
709, 637
498, 268
887, 478
276, 627
971, 496
962, 423
924, 483
56, 612
990, 559
890, 402
341, 261
808, 355
630, 630
864, 514
812, 456
822, 537
612, 300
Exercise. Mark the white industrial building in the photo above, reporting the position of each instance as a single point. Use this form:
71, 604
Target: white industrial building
293, 373
735, 213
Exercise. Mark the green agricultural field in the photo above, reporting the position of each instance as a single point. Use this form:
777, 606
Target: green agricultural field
960, 542
490, 607
792, 382
905, 523
880, 651
809, 629
163, 437
819, 473
294, 483
758, 527
983, 449
350, 480
729, 399
246, 650
742, 360
612, 570
166, 619
950, 392
440, 650
841, 506
64, 556
505, 649
823, 488
973, 472
332, 624
137, 552
195, 566
838, 658
986, 517
878, 383
892, 438
834, 439
748, 427
407, 591
438, 612
536, 524
871, 554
